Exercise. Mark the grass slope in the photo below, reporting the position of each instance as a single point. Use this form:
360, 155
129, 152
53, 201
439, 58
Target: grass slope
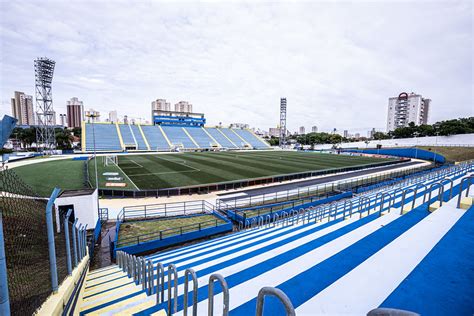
452, 153
132, 232
186, 169
44, 176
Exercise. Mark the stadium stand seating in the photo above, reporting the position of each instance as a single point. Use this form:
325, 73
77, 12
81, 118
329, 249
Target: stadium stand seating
220, 138
127, 135
252, 139
106, 137
229, 133
155, 138
201, 137
138, 137
383, 249
178, 136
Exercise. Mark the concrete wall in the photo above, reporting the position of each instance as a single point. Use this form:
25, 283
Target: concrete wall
453, 140
86, 208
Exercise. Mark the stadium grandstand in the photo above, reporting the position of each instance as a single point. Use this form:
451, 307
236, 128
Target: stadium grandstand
171, 131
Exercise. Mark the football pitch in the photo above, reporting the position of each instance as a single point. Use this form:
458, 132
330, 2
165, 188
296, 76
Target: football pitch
160, 171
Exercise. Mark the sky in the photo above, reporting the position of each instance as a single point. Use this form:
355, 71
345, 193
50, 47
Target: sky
336, 62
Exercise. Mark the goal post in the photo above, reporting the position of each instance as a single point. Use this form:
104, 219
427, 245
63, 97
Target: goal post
110, 160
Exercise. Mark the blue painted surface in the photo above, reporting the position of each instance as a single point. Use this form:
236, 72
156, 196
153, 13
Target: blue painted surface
403, 152
443, 282
97, 229
80, 158
312, 281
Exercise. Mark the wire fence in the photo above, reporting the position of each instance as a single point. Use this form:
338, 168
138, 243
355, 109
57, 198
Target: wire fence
26, 244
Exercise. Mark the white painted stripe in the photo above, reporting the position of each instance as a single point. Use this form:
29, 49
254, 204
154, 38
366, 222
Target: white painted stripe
219, 244
246, 291
380, 275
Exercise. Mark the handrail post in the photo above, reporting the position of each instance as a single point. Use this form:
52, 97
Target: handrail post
225, 291
192, 273
68, 245
172, 269
282, 297
160, 283
467, 179
144, 274
74, 243
79, 247
151, 277
50, 229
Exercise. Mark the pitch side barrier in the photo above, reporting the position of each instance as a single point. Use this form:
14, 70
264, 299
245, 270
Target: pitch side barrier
232, 185
403, 152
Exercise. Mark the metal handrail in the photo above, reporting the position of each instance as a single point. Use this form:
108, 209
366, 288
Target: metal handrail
290, 310
440, 192
160, 283
425, 190
382, 202
465, 179
144, 274
225, 291
151, 277
172, 270
405, 192
450, 188
350, 209
192, 273
363, 201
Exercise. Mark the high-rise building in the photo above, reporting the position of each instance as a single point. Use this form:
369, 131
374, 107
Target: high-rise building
63, 119
371, 133
274, 132
301, 130
75, 113
407, 108
22, 108
160, 105
113, 116
183, 106
346, 133
314, 129
92, 115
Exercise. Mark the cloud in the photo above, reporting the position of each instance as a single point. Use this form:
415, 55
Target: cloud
336, 62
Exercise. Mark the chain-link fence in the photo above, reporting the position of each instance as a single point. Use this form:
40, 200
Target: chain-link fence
26, 244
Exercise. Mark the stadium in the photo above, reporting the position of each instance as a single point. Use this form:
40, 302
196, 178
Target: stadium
226, 212
252, 227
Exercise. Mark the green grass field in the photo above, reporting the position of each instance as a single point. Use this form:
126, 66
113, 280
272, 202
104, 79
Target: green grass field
44, 176
187, 169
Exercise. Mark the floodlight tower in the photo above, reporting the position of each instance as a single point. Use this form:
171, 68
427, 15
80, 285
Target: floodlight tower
44, 69
283, 129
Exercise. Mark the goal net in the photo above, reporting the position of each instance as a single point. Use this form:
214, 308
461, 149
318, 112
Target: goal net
110, 160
